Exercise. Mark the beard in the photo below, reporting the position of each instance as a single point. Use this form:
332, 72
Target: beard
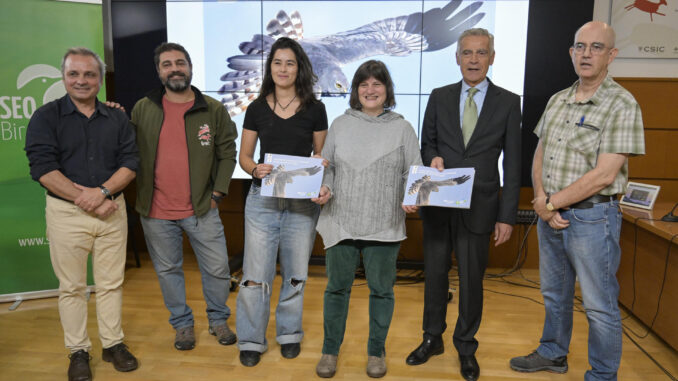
177, 84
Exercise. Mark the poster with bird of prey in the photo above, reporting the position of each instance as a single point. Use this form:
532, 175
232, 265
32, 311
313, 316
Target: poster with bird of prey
229, 42
292, 176
397, 35
450, 188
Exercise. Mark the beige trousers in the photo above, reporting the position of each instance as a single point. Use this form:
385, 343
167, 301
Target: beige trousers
73, 234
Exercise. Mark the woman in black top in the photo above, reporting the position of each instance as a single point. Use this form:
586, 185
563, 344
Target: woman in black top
288, 120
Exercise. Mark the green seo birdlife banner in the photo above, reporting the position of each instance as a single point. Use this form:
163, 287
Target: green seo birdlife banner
34, 35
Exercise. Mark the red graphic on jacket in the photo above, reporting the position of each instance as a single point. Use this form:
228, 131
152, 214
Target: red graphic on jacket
204, 135
647, 7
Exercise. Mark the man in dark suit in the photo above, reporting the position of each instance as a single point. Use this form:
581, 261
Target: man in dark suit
467, 124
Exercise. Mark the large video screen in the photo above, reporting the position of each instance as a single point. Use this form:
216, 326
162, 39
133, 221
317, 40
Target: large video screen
229, 41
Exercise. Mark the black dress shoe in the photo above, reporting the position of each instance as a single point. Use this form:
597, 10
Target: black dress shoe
120, 356
431, 346
469, 367
290, 351
79, 370
249, 358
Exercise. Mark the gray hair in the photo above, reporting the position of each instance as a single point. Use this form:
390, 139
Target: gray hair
80, 51
476, 32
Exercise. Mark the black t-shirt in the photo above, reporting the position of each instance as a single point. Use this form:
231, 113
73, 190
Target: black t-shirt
291, 136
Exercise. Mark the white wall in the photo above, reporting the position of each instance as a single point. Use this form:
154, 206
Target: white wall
635, 67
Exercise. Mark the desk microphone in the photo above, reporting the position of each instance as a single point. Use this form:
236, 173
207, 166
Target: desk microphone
670, 217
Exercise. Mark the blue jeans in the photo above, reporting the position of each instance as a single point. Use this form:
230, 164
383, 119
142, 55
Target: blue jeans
165, 246
272, 226
589, 250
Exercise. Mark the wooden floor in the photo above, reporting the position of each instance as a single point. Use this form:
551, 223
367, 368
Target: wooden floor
31, 340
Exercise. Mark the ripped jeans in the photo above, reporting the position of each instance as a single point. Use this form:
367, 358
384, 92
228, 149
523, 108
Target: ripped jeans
274, 225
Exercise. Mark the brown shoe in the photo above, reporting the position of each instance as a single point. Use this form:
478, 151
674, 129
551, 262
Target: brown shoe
327, 366
120, 356
184, 339
79, 370
376, 366
224, 334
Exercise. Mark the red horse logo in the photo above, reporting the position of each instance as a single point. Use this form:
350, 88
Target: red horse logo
204, 135
647, 7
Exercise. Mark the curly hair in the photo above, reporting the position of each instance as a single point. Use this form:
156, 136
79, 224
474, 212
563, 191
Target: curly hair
303, 84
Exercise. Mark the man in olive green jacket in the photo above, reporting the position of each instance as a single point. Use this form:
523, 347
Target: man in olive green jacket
187, 156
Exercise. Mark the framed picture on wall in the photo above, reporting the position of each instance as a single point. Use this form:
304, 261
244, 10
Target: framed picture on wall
640, 195
645, 29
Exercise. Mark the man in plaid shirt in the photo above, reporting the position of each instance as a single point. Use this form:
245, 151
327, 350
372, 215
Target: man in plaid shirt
580, 165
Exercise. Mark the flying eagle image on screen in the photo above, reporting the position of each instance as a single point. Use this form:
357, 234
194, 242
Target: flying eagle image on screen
279, 178
424, 186
430, 31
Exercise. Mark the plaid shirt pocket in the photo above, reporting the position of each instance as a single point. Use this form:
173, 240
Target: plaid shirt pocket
585, 139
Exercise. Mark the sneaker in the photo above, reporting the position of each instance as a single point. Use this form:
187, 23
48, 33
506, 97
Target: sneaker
79, 369
534, 362
376, 366
327, 366
224, 334
120, 356
185, 339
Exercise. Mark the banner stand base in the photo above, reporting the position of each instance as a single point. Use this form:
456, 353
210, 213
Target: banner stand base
19, 297
16, 304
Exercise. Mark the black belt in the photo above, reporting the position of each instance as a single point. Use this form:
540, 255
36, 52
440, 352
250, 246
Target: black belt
115, 195
589, 202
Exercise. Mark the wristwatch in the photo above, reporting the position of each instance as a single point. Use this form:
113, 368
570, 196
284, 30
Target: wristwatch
549, 206
106, 192
216, 198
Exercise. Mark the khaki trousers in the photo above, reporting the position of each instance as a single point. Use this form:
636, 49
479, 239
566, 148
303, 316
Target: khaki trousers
73, 234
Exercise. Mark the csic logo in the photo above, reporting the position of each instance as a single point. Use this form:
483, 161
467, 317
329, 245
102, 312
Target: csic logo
22, 107
651, 49
647, 7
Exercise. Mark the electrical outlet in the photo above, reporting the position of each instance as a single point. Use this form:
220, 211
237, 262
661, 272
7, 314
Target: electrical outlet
525, 216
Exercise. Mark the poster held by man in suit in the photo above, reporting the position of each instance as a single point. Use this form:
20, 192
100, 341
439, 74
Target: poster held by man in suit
450, 188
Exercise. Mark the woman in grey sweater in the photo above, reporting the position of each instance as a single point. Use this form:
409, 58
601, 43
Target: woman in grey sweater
370, 150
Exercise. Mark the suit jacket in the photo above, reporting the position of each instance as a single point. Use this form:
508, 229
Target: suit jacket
498, 129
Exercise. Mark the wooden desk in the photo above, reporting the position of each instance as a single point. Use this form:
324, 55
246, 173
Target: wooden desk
651, 240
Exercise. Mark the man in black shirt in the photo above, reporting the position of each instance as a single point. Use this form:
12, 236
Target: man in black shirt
84, 154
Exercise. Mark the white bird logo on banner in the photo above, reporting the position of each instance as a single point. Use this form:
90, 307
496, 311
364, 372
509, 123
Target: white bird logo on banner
43, 71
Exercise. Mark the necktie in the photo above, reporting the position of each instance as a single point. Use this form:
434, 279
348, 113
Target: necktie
470, 118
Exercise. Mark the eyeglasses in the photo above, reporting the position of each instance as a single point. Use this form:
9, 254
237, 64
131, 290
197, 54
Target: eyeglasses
597, 48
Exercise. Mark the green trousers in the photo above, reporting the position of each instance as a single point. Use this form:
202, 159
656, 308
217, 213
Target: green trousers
341, 262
